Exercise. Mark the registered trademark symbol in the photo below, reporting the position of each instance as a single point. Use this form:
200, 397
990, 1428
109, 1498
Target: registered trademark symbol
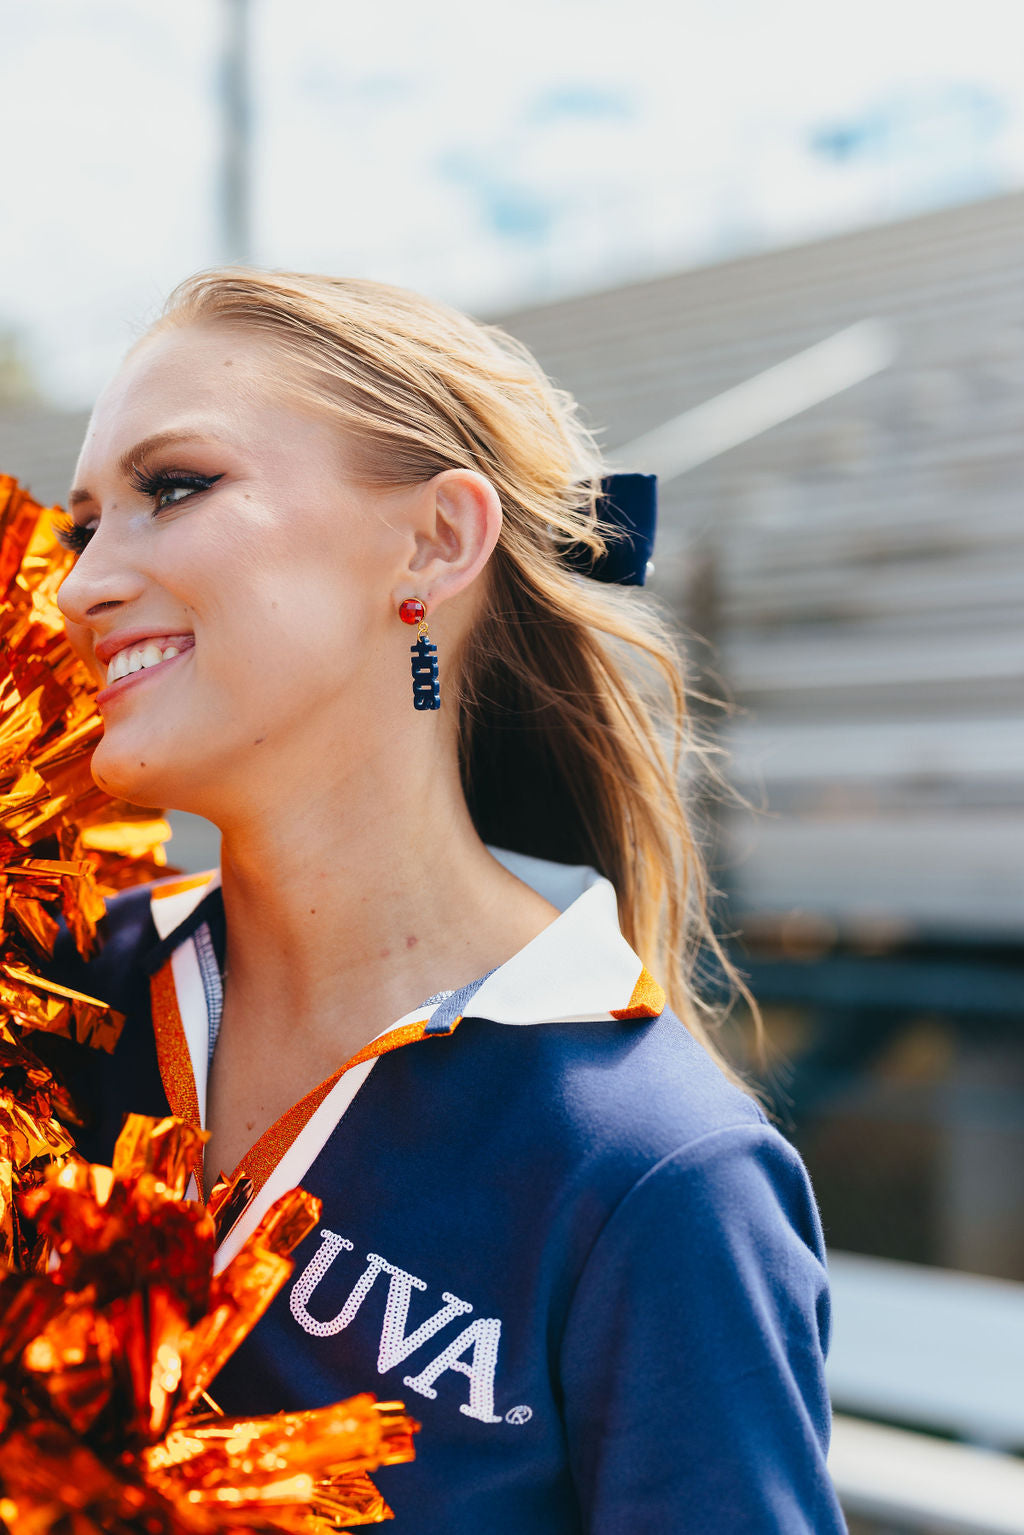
519, 1415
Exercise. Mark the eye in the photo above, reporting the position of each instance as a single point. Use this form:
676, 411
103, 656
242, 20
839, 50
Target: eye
169, 487
170, 495
166, 488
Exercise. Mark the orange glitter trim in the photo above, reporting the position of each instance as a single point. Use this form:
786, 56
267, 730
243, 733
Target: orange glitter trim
176, 1073
263, 1156
172, 1053
647, 1001
408, 1034
176, 886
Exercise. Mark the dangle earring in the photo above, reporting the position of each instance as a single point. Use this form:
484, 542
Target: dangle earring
426, 690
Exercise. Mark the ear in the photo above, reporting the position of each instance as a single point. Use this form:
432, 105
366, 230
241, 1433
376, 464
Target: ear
457, 521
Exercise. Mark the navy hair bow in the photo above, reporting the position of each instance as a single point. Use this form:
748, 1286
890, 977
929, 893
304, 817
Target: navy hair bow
629, 502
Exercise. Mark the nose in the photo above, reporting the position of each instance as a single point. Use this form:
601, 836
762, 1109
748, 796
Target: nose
101, 580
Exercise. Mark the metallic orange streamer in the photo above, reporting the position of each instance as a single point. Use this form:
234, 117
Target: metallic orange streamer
64, 845
104, 1359
112, 1322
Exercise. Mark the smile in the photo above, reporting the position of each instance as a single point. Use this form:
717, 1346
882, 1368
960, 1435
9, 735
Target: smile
139, 658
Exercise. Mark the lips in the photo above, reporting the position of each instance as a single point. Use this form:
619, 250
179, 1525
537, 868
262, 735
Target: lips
126, 639
134, 656
138, 658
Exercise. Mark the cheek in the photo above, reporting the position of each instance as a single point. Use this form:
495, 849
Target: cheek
290, 630
311, 585
284, 601
320, 630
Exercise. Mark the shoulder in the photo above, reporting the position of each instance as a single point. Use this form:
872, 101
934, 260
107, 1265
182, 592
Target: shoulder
622, 1093
634, 1128
576, 1027
705, 1280
639, 1115
701, 1198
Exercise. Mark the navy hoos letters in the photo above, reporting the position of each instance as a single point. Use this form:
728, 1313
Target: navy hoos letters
426, 690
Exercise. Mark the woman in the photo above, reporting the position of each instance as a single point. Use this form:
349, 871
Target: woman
554, 1221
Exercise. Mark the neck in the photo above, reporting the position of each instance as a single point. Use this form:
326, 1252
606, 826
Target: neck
351, 903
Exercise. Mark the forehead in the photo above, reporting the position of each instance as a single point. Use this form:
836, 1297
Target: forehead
220, 380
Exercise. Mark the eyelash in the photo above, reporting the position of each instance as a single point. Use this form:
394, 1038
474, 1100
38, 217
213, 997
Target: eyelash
75, 536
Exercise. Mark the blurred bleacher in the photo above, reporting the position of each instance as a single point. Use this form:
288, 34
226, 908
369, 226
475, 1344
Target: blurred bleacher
860, 568
859, 573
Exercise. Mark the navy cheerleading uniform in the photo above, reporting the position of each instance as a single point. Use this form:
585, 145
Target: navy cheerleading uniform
585, 1260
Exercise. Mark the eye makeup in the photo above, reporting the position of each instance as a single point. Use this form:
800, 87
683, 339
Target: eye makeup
153, 483
70, 534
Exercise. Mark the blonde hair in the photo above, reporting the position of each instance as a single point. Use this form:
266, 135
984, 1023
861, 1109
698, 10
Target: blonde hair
572, 712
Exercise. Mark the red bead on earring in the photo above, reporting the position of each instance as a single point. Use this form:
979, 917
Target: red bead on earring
412, 611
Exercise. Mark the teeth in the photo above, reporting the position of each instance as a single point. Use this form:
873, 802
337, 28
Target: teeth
137, 659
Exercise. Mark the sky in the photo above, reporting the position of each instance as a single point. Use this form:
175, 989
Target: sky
491, 155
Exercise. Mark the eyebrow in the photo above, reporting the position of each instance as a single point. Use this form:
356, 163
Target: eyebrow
132, 456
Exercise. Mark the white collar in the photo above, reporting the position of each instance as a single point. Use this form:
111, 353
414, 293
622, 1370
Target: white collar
579, 968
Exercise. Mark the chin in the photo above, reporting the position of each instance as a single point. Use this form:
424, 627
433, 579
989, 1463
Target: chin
119, 783
139, 776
